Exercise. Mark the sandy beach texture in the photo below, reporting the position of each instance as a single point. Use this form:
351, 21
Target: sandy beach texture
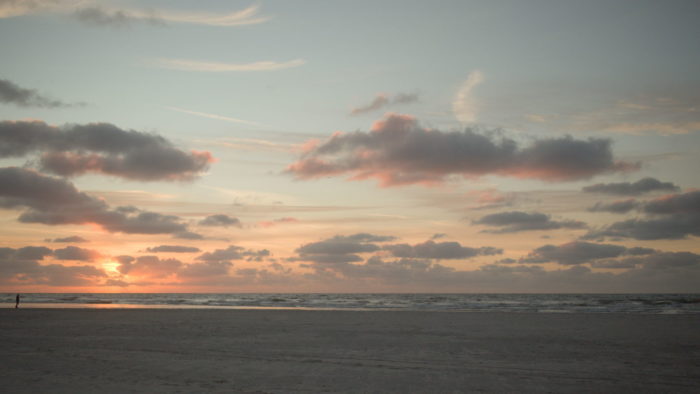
277, 351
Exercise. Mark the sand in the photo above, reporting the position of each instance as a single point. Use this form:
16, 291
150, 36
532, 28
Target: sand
277, 351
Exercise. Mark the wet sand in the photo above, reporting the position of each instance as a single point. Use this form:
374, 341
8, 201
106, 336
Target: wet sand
278, 351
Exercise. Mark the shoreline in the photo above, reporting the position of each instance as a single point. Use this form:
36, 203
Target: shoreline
294, 351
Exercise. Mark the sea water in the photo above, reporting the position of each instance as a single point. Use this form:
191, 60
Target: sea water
541, 303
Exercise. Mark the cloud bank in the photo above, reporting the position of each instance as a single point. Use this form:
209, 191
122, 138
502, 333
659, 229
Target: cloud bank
101, 148
645, 185
674, 216
55, 201
398, 151
516, 221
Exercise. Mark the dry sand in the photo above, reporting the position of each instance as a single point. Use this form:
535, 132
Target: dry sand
276, 351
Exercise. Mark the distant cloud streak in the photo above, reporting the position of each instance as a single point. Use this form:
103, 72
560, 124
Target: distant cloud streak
97, 14
200, 66
216, 117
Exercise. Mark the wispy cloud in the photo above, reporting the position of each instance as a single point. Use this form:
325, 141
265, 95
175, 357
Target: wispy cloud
195, 65
248, 16
11, 93
464, 105
99, 14
214, 116
382, 100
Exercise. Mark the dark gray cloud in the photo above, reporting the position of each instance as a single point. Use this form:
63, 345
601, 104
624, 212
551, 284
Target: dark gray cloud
55, 201
220, 221
148, 266
439, 250
574, 253
608, 256
670, 227
684, 203
205, 270
674, 216
653, 261
644, 185
172, 249
398, 151
101, 148
76, 253
21, 267
188, 235
11, 93
666, 260
621, 206
515, 221
234, 252
27, 253
382, 100
341, 248
71, 239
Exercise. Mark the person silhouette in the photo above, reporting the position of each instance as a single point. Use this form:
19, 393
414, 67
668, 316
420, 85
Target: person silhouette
17, 301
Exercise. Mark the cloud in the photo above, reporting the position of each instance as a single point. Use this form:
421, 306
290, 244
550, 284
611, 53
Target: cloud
12, 8
100, 16
205, 270
71, 239
610, 256
188, 235
573, 253
220, 220
76, 253
217, 117
341, 248
382, 100
673, 216
195, 65
55, 201
21, 267
464, 106
11, 93
149, 266
101, 148
397, 151
27, 253
234, 252
439, 250
172, 249
247, 16
642, 186
515, 221
621, 206
94, 13
275, 222
682, 203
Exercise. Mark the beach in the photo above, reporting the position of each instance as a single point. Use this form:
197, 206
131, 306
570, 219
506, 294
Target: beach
307, 351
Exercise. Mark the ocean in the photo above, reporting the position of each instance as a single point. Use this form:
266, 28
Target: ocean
540, 303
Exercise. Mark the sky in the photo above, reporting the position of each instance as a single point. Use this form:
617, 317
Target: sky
349, 146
